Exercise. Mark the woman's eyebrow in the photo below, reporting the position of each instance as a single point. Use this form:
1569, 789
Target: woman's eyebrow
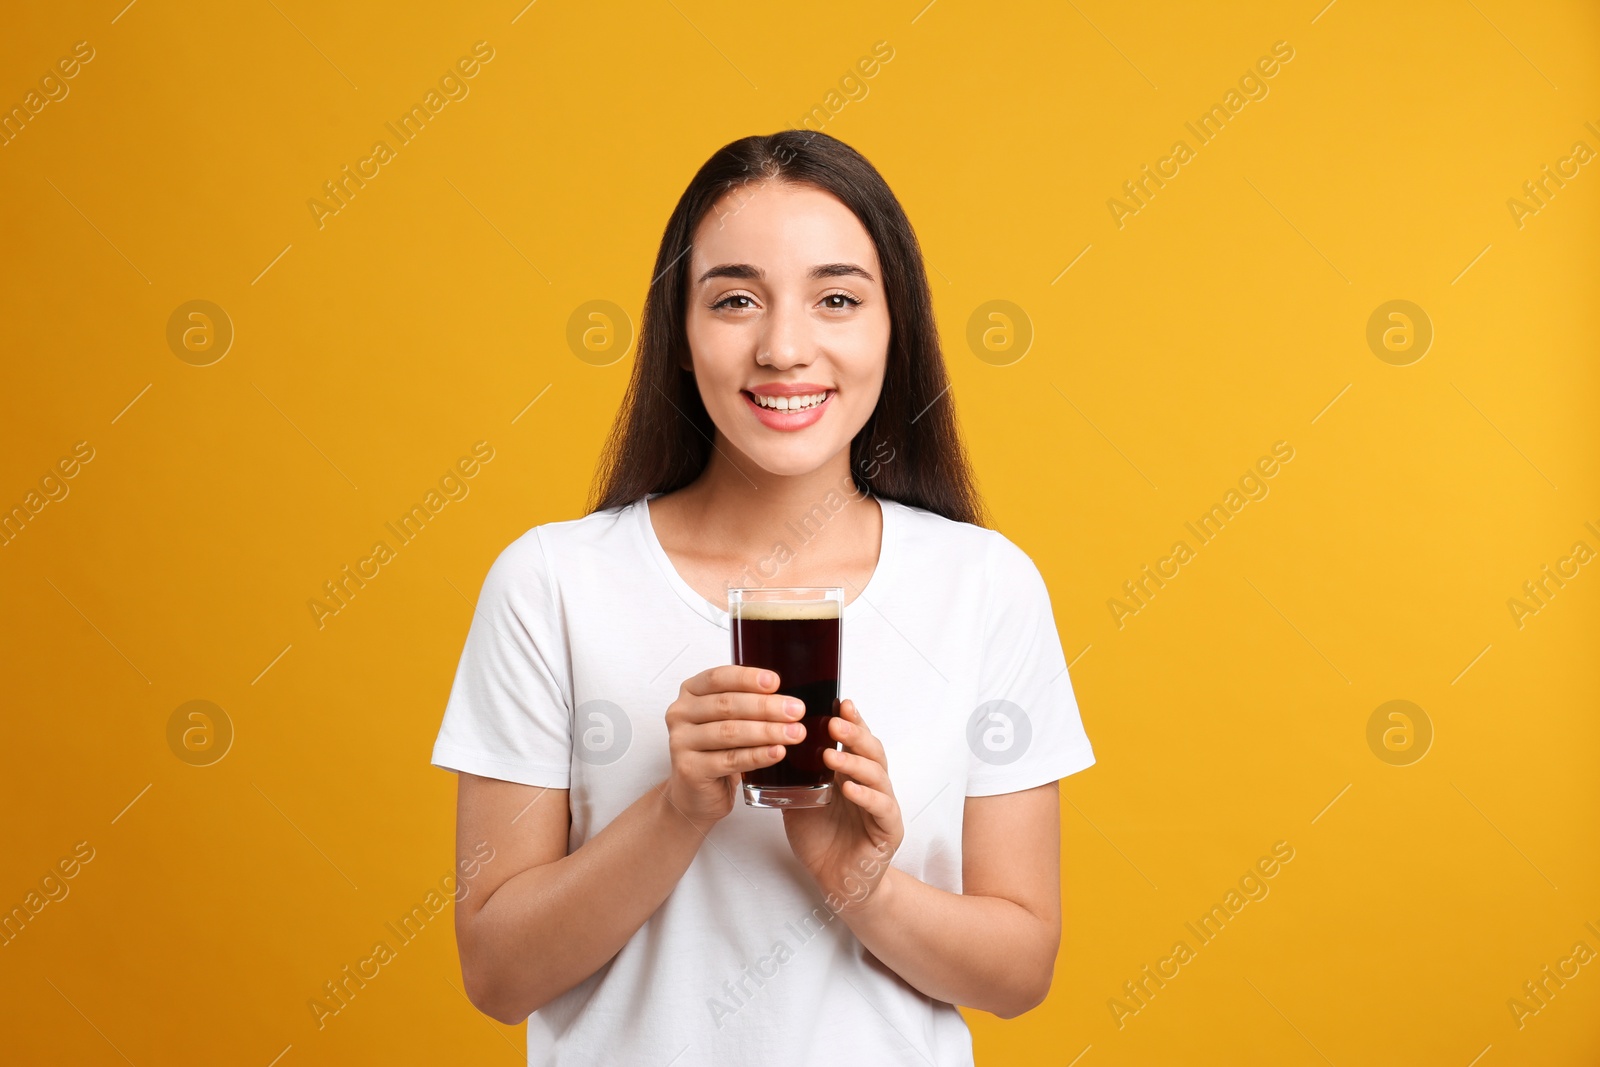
747, 271
836, 270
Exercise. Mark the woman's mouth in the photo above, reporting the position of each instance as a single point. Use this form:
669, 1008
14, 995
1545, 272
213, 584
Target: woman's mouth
788, 412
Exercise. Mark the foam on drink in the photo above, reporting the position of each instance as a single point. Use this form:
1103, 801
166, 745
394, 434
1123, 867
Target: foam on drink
779, 610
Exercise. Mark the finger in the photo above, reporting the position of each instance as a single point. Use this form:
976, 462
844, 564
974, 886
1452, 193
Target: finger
867, 772
728, 761
740, 705
850, 729
729, 678
741, 733
880, 806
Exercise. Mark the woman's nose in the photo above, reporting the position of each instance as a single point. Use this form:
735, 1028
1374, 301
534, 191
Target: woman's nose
784, 339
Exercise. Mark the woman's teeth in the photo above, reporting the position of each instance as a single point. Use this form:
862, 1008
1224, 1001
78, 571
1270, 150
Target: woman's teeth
790, 403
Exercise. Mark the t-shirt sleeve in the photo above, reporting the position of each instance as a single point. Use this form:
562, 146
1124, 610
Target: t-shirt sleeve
508, 715
1027, 730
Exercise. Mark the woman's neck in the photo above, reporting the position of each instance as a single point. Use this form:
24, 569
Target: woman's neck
735, 512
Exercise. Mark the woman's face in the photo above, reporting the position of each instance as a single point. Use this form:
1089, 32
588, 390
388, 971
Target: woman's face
788, 324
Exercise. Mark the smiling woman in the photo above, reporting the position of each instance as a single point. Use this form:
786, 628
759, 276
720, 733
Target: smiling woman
792, 195
787, 350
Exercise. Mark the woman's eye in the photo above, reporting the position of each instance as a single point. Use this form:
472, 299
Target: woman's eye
845, 300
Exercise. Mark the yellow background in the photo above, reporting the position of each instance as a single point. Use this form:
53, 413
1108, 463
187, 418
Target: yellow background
1225, 316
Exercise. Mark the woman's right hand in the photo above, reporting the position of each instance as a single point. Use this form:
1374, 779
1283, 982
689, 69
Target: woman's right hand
726, 720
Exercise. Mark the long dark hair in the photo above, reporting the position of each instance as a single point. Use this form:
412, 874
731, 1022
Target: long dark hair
661, 439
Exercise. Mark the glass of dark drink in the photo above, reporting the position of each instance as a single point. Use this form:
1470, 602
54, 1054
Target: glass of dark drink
798, 634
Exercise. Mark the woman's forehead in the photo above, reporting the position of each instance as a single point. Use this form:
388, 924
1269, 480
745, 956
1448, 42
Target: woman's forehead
782, 231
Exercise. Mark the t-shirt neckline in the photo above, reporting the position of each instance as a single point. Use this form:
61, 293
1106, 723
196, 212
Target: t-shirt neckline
707, 610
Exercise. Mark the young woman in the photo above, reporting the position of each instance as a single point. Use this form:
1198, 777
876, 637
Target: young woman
788, 423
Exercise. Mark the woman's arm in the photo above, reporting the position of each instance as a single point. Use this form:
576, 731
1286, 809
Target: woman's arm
537, 921
992, 946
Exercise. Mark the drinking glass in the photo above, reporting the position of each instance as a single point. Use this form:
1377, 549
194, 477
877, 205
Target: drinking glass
798, 634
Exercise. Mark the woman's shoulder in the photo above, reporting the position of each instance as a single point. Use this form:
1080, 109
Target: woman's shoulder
959, 543
575, 541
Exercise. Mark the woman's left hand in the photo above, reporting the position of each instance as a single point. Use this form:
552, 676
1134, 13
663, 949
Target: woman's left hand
847, 844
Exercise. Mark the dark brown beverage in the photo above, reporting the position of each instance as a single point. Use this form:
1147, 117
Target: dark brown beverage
800, 641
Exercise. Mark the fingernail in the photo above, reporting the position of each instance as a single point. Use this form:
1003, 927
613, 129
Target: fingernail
794, 708
768, 679
794, 731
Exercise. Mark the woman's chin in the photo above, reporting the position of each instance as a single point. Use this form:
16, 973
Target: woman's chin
789, 470
792, 462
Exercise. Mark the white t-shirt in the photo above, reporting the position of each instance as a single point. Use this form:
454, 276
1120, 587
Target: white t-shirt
584, 632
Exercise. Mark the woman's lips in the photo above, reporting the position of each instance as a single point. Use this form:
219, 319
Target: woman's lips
788, 420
